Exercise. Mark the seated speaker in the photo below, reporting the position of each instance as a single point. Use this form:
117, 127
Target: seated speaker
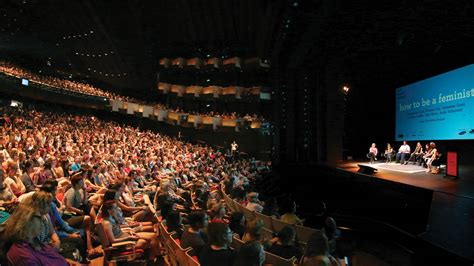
364, 169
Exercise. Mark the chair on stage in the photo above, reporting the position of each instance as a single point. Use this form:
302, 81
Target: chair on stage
372, 157
389, 157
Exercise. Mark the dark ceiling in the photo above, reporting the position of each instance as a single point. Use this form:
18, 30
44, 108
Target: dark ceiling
117, 44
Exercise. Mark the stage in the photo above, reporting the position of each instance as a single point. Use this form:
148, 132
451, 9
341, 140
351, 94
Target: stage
451, 217
417, 176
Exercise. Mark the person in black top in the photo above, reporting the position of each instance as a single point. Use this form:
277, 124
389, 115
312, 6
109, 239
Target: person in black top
217, 252
271, 208
250, 254
285, 245
174, 224
237, 223
194, 237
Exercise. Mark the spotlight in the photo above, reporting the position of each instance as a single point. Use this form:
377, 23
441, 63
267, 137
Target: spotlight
345, 89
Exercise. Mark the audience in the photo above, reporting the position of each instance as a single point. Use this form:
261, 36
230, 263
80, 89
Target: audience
289, 216
237, 223
88, 89
21, 236
90, 170
218, 251
317, 252
250, 254
174, 224
285, 245
194, 237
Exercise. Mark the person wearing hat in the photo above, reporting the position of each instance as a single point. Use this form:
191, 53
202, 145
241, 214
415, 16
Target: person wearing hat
253, 203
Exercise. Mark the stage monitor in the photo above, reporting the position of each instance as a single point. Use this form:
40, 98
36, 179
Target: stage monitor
437, 108
25, 82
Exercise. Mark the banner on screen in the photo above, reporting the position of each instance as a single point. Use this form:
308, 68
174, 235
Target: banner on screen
437, 108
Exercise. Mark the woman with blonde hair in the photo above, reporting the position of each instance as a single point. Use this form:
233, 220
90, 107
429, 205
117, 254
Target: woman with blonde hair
40, 201
20, 242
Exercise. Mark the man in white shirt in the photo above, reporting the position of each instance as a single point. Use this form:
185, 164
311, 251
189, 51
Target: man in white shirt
403, 153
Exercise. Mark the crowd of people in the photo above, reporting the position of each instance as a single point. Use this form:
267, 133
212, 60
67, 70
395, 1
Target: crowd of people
61, 175
88, 89
75, 86
423, 157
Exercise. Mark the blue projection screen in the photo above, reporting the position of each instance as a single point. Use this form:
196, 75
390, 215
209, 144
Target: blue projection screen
437, 108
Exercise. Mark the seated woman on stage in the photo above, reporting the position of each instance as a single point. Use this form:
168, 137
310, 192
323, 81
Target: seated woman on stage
425, 152
416, 155
372, 155
430, 156
389, 153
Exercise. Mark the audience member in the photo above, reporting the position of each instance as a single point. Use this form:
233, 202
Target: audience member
218, 252
285, 245
250, 254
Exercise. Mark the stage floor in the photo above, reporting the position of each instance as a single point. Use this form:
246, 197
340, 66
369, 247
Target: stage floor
452, 208
415, 175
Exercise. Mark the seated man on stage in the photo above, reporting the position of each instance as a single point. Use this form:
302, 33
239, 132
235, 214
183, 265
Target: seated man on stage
373, 151
403, 153
389, 153
417, 155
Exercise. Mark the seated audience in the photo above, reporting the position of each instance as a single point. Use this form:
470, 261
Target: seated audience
317, 252
250, 254
218, 251
253, 203
285, 245
289, 216
8, 200
20, 240
194, 237
115, 234
270, 208
237, 223
174, 224
218, 212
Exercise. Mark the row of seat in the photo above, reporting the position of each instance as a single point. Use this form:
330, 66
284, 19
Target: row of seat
176, 255
273, 225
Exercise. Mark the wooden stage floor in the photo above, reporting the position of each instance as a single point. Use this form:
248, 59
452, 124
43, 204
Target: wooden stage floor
463, 186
